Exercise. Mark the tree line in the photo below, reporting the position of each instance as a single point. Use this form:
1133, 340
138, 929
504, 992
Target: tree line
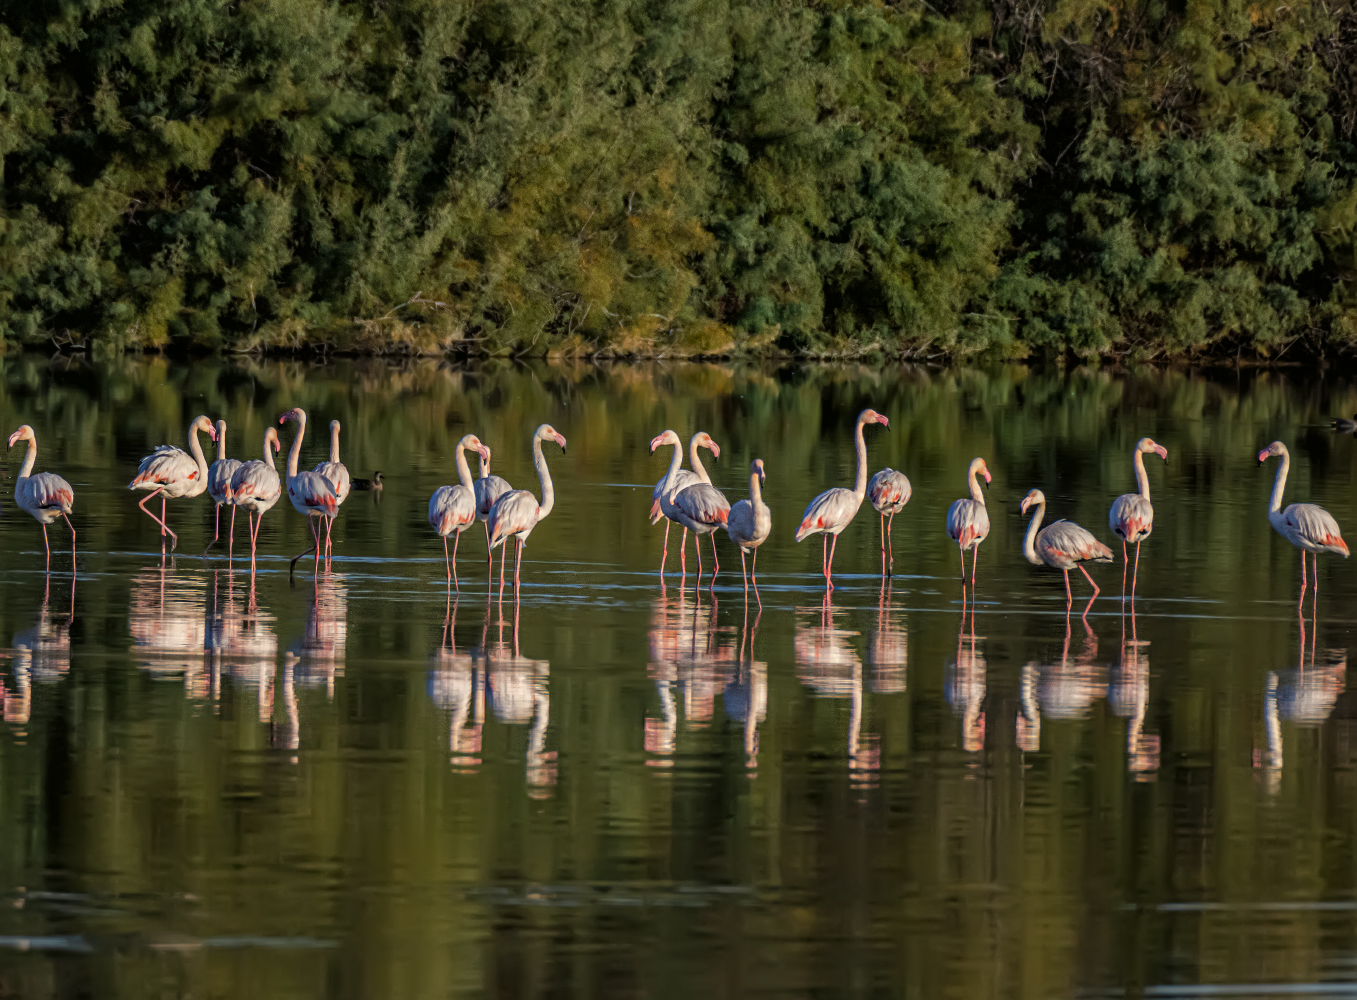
1139, 178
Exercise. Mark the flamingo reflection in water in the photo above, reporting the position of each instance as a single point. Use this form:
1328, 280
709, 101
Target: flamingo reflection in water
41, 653
1128, 695
888, 647
316, 659
745, 699
1065, 689
241, 641
519, 693
1304, 696
827, 663
168, 619
686, 659
456, 684
966, 685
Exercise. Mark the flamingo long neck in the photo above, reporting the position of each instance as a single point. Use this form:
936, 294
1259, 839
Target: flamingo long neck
973, 477
675, 464
197, 450
268, 452
485, 466
1142, 480
755, 491
1279, 484
860, 482
29, 459
463, 470
539, 462
294, 453
1029, 543
221, 440
696, 461
334, 443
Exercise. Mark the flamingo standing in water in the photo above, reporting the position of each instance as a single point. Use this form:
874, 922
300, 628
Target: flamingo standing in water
219, 478
702, 509
338, 474
834, 509
968, 521
517, 512
452, 509
749, 524
888, 491
488, 489
1307, 526
1131, 517
1062, 544
256, 487
678, 478
310, 492
170, 473
46, 496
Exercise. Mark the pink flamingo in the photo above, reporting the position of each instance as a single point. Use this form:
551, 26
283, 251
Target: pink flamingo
488, 489
46, 496
888, 491
834, 509
677, 479
1307, 526
310, 492
701, 509
171, 473
517, 512
968, 521
1131, 517
749, 524
256, 487
1062, 544
219, 478
338, 475
452, 509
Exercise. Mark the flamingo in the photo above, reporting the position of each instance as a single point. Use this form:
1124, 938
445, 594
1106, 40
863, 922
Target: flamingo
338, 474
677, 479
488, 489
968, 521
1307, 526
749, 523
171, 473
1344, 426
452, 509
1131, 517
888, 491
834, 509
310, 492
1062, 544
219, 478
517, 512
702, 509
256, 487
46, 496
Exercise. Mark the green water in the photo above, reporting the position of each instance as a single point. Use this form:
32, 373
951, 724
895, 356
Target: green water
362, 785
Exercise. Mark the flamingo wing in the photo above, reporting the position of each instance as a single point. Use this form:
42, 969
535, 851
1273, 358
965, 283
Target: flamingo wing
742, 525
682, 480
1315, 526
220, 476
703, 504
1131, 517
45, 491
452, 508
163, 467
830, 512
968, 523
338, 475
514, 513
312, 494
889, 491
1064, 544
256, 485
488, 490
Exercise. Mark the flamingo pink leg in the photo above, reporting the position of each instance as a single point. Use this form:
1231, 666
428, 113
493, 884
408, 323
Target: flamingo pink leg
698, 547
961, 550
1125, 565
446, 564
975, 557
716, 563
1301, 603
829, 572
46, 546
744, 575
1096, 589
883, 545
518, 561
502, 557
489, 552
667, 525
890, 542
216, 530
72, 527
231, 539
683, 556
1069, 594
753, 569
164, 528
1135, 573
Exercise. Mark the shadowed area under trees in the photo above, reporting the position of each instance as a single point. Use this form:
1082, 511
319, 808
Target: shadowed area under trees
1001, 177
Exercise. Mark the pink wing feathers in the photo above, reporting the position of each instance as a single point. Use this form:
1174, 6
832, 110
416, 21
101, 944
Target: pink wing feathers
452, 508
44, 491
968, 523
1065, 544
1313, 527
830, 513
165, 466
513, 513
312, 494
703, 504
889, 491
1131, 517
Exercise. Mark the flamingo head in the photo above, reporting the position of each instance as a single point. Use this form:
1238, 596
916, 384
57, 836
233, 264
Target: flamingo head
872, 417
979, 468
471, 442
203, 424
756, 468
1033, 499
271, 438
664, 438
548, 433
295, 414
704, 441
24, 433
1148, 447
1275, 450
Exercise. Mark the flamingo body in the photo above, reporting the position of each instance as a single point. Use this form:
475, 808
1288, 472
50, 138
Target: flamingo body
1131, 517
1063, 545
334, 470
676, 480
1307, 526
453, 508
889, 491
45, 496
750, 522
516, 513
172, 473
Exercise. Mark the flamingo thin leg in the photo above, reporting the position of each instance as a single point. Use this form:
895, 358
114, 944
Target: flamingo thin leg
1069, 594
1125, 564
1301, 603
890, 543
231, 538
829, 573
753, 569
744, 573
683, 556
1134, 574
158, 520
883, 544
456, 539
1314, 602
1096, 589
665, 555
975, 556
447, 565
716, 563
962, 552
72, 527
518, 562
502, 557
46, 546
698, 548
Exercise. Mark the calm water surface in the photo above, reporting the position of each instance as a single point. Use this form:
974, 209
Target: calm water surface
362, 785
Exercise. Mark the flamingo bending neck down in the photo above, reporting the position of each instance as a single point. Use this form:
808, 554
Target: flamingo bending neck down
46, 496
1062, 544
488, 489
517, 512
310, 492
1307, 526
968, 521
219, 478
834, 509
1131, 517
257, 487
676, 480
452, 509
170, 473
749, 524
337, 473
888, 491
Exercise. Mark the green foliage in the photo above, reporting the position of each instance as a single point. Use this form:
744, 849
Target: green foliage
684, 176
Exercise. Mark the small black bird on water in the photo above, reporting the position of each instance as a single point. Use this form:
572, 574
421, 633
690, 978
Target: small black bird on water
1345, 426
375, 483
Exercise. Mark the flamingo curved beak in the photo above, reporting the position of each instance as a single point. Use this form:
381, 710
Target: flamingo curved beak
988, 477
484, 452
14, 437
655, 442
763, 476
882, 420
212, 432
560, 440
276, 446
1162, 452
1026, 502
714, 448
1262, 456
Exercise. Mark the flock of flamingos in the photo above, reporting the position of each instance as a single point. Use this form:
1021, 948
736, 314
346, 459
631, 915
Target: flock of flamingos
685, 497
